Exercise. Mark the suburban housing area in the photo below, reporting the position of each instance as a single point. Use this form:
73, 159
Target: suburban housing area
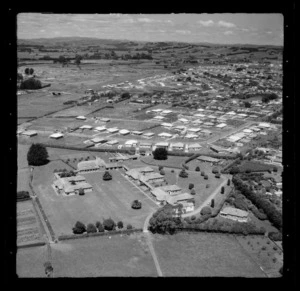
146, 158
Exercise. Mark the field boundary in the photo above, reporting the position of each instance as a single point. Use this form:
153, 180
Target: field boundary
31, 245
87, 235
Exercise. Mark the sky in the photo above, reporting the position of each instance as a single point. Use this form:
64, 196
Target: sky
262, 29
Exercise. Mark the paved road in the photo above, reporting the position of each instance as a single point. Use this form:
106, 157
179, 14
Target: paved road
207, 201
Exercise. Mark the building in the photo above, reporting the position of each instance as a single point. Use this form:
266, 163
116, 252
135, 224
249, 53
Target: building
81, 117
221, 125
152, 178
131, 143
124, 131
171, 189
136, 173
100, 128
29, 133
184, 197
208, 159
164, 145
136, 132
145, 145
112, 142
86, 126
165, 135
56, 135
98, 140
71, 185
148, 134
235, 214
112, 130
179, 146
194, 147
91, 166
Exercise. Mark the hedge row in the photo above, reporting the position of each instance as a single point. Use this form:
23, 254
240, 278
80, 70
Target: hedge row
227, 168
85, 235
23, 196
45, 218
30, 245
194, 156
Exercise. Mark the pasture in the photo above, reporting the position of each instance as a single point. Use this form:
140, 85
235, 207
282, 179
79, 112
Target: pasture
203, 255
108, 199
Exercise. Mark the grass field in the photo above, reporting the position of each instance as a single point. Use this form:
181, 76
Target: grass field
203, 255
108, 199
171, 162
126, 256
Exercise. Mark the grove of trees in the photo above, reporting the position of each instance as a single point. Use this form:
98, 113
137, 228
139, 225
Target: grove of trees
160, 154
37, 155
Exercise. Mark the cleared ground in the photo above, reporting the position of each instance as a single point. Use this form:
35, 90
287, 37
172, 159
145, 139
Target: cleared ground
203, 255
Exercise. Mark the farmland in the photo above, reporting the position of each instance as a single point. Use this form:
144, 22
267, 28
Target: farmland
203, 255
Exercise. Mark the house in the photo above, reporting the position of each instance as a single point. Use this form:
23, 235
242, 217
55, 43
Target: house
221, 125
166, 111
194, 147
112, 142
29, 133
158, 117
131, 143
159, 194
208, 159
56, 135
191, 135
136, 132
152, 177
104, 119
71, 185
81, 117
118, 158
137, 172
173, 200
193, 129
165, 135
145, 145
148, 134
171, 189
235, 214
167, 125
124, 131
112, 130
164, 145
177, 146
86, 127
100, 128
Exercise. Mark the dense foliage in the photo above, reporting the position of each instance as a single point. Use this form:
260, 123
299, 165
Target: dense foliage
109, 224
205, 210
99, 226
37, 155
183, 174
160, 154
31, 84
91, 228
23, 195
79, 228
136, 204
107, 176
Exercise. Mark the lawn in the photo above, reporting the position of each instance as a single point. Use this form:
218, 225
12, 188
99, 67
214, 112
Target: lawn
23, 180
125, 256
108, 199
203, 255
22, 156
171, 162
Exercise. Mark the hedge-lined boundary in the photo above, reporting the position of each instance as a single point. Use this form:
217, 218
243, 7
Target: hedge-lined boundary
196, 229
23, 199
227, 168
86, 235
30, 245
37, 201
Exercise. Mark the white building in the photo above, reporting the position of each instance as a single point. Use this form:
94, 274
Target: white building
56, 135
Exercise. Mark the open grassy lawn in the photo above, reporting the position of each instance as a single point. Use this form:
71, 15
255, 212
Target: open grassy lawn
266, 253
203, 255
23, 180
126, 256
171, 162
108, 199
22, 156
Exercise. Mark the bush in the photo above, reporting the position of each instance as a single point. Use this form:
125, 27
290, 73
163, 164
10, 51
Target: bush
205, 177
234, 170
183, 174
160, 154
222, 190
81, 191
129, 226
160, 168
228, 182
193, 192
172, 171
212, 204
79, 228
120, 224
197, 169
109, 224
23, 195
162, 172
275, 236
107, 176
136, 204
91, 228
205, 210
191, 186
31, 84
215, 170
37, 155
202, 173
99, 226
217, 176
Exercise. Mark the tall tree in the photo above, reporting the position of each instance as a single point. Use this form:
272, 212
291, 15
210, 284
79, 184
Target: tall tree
37, 155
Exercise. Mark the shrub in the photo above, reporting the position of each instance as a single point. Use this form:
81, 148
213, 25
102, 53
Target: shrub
207, 185
183, 174
275, 236
212, 204
215, 170
120, 224
136, 204
264, 248
81, 191
162, 172
275, 169
172, 171
191, 186
234, 170
193, 192
107, 176
205, 177
91, 228
37, 155
160, 168
217, 175
202, 173
22, 195
79, 228
222, 190
275, 248
99, 226
31, 84
160, 154
109, 224
228, 182
197, 169
129, 226
205, 210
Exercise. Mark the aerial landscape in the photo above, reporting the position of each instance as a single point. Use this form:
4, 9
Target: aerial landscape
149, 145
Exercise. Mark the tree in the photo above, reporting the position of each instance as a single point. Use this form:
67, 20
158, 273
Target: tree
197, 169
109, 224
31, 84
234, 170
162, 172
202, 173
79, 228
27, 71
160, 154
99, 226
212, 203
120, 224
183, 174
215, 170
160, 168
193, 192
191, 186
91, 228
247, 104
77, 61
228, 182
222, 190
48, 268
31, 71
136, 204
205, 177
205, 210
37, 155
218, 175
129, 226
107, 176
80, 192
